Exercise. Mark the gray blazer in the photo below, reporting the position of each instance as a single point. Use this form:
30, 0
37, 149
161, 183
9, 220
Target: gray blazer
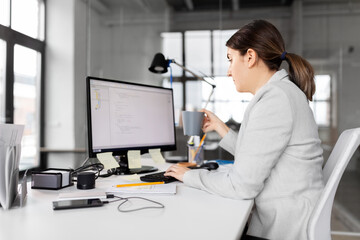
278, 161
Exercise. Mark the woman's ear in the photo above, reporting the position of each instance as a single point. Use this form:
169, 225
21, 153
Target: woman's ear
251, 57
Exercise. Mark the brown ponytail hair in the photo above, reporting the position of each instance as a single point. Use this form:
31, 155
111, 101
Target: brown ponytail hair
267, 42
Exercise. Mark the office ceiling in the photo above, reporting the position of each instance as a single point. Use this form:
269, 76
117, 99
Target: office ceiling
197, 6
183, 6
206, 5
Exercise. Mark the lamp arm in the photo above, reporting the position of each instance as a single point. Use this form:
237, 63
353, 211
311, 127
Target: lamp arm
198, 77
207, 102
195, 75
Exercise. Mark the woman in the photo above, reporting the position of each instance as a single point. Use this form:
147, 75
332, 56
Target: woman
277, 152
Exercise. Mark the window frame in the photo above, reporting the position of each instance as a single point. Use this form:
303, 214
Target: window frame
12, 37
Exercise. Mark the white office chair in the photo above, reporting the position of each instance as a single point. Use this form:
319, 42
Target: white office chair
319, 223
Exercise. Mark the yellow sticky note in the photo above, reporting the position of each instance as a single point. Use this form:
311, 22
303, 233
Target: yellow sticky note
132, 177
134, 159
156, 155
108, 160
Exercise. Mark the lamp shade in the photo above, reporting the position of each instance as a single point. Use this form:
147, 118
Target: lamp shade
159, 64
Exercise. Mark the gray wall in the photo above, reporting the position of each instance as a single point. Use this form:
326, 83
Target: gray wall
59, 74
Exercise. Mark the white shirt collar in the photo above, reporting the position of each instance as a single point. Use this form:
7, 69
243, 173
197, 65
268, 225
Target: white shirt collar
279, 75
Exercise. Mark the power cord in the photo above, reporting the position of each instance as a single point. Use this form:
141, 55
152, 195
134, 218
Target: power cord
98, 167
109, 172
127, 199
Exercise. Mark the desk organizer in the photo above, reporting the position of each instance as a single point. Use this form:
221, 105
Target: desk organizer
51, 179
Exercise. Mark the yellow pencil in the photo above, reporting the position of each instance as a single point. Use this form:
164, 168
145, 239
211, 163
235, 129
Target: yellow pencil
138, 184
198, 148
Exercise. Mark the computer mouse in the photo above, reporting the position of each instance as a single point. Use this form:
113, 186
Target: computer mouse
210, 165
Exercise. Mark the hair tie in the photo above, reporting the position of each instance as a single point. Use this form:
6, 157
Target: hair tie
283, 55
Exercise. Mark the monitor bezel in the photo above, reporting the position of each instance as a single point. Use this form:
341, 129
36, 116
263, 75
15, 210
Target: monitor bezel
123, 151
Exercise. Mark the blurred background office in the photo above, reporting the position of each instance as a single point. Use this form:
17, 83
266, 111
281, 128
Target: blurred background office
47, 48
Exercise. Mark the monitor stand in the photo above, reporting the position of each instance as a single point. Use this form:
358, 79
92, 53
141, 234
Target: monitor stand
125, 170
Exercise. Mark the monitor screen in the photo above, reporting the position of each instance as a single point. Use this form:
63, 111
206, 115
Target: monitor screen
126, 116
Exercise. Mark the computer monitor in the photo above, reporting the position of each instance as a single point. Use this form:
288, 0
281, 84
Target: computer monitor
125, 116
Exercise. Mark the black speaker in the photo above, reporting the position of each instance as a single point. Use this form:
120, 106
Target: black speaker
86, 180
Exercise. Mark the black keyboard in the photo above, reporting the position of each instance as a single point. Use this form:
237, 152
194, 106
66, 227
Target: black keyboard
157, 177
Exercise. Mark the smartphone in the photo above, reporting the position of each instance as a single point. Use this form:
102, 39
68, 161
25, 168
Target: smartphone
78, 203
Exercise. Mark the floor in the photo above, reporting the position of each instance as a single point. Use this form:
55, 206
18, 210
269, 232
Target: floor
346, 211
341, 231
339, 237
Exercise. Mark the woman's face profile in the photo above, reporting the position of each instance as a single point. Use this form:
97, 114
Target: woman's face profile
237, 69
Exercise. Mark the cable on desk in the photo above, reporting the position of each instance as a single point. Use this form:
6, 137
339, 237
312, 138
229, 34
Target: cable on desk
127, 199
109, 173
98, 167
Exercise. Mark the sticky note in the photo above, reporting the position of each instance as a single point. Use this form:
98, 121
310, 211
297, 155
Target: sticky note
134, 159
156, 155
108, 160
132, 177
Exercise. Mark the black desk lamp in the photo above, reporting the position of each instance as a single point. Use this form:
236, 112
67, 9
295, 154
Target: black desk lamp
160, 65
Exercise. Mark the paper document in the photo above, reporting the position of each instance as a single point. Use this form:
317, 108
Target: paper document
134, 159
108, 160
149, 189
10, 149
156, 155
11, 134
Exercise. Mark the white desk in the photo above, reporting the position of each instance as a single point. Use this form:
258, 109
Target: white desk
190, 214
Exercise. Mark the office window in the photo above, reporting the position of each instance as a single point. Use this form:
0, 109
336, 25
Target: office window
205, 54
193, 95
226, 102
198, 52
321, 104
2, 79
27, 17
26, 102
172, 48
178, 98
5, 12
21, 77
220, 50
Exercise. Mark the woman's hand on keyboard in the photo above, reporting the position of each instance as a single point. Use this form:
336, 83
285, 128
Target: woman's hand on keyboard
176, 171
